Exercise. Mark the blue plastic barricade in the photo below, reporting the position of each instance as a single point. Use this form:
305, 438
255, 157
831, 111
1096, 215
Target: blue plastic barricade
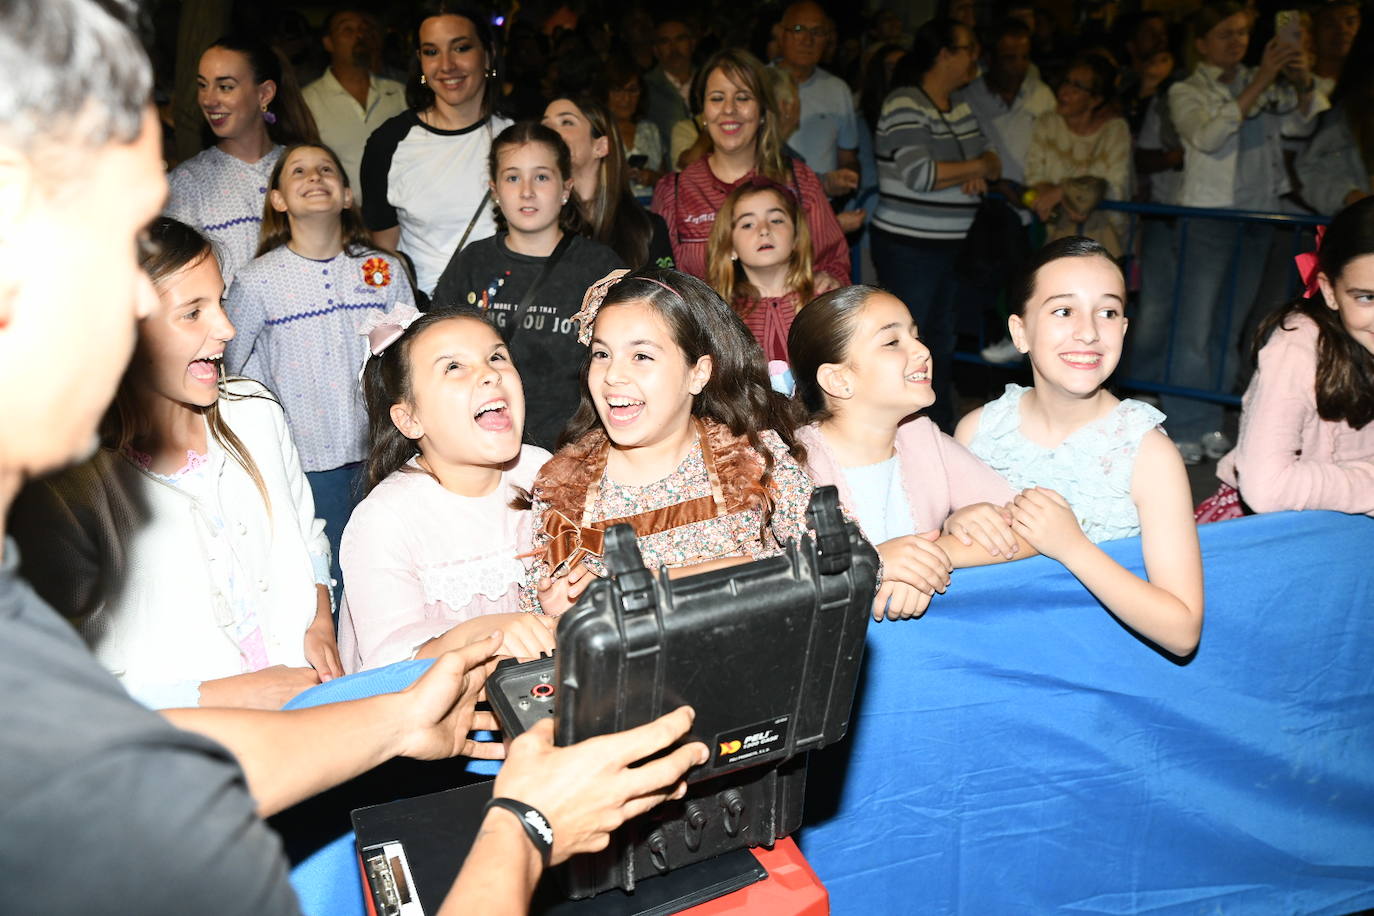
1018, 751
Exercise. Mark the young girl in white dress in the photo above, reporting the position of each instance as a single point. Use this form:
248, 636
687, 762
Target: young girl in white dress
431, 555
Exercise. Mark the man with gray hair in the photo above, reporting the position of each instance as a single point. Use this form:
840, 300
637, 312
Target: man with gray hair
828, 135
111, 807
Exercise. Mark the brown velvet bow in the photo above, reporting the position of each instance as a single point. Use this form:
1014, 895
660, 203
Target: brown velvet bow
569, 544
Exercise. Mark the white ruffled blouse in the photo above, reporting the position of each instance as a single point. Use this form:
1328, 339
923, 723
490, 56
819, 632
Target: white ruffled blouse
418, 559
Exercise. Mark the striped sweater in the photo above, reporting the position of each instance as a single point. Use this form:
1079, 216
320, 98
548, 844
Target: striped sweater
911, 139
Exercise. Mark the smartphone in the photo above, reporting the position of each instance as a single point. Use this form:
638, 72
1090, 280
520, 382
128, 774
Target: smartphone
638, 161
1288, 27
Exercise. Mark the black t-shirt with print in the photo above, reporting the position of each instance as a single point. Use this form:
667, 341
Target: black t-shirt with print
487, 274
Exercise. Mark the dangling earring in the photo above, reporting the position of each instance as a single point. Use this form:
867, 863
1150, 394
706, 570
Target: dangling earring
490, 73
268, 116
733, 256
422, 79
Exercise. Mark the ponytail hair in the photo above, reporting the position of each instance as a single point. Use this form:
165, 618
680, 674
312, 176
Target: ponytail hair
175, 246
294, 123
821, 334
276, 225
386, 381
1345, 369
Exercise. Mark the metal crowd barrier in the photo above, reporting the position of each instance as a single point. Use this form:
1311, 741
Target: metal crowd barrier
1220, 390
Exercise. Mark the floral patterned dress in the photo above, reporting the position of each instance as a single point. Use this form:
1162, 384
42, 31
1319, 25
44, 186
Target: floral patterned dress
712, 506
1092, 468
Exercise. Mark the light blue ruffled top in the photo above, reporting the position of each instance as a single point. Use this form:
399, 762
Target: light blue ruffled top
1091, 469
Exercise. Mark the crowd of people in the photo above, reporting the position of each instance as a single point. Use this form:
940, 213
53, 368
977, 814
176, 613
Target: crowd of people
403, 354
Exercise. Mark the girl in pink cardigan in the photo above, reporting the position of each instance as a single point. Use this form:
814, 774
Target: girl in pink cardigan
1307, 423
431, 556
925, 501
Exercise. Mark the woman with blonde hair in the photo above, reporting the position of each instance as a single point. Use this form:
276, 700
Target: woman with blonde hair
740, 118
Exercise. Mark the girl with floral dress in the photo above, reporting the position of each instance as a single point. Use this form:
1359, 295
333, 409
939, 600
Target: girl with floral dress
678, 434
1090, 467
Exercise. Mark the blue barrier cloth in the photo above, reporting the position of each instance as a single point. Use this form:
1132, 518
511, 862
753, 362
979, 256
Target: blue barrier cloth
1018, 751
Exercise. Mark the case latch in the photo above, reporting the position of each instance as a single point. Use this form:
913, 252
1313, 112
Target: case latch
832, 541
626, 564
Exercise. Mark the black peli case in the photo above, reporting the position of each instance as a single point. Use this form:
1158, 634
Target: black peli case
768, 655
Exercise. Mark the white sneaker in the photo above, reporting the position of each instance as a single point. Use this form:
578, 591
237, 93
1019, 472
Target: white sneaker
1002, 352
1190, 450
1215, 445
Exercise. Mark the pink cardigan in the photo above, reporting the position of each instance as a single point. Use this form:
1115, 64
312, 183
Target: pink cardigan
1287, 456
938, 474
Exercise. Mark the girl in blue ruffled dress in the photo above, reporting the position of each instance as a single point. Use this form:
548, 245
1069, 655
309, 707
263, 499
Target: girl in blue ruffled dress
1092, 467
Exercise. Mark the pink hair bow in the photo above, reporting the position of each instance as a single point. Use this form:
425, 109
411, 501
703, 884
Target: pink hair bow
382, 329
1308, 266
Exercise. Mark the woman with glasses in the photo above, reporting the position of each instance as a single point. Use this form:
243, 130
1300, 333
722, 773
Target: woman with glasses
639, 136
1080, 154
934, 163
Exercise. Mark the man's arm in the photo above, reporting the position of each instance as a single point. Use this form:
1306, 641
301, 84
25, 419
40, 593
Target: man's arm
584, 791
288, 756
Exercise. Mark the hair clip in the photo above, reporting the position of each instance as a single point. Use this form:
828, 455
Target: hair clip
596, 294
1309, 266
591, 302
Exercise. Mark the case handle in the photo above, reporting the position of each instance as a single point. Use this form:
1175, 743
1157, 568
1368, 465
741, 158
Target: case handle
832, 541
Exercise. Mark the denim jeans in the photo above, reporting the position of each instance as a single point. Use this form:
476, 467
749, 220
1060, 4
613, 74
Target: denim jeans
920, 272
336, 492
1222, 266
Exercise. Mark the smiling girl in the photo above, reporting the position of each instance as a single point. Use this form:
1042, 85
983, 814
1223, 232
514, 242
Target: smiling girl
736, 108
430, 554
863, 373
759, 260
1307, 421
298, 307
423, 192
1091, 467
530, 277
678, 434
187, 550
252, 106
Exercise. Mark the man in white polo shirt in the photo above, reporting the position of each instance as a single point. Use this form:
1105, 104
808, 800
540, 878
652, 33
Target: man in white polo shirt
349, 101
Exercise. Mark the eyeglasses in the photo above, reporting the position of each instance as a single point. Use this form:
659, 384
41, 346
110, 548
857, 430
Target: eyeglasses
817, 32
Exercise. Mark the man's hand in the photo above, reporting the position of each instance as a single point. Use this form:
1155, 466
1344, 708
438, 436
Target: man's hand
840, 181
438, 712
850, 220
589, 789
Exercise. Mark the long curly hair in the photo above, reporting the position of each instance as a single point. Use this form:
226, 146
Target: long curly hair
737, 396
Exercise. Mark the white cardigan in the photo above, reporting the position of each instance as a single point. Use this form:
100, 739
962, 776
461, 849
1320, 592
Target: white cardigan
144, 569
1208, 121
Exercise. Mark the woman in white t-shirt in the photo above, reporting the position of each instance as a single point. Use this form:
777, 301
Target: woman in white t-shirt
424, 171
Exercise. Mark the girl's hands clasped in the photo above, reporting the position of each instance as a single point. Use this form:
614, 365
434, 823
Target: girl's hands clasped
985, 524
914, 569
1046, 520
